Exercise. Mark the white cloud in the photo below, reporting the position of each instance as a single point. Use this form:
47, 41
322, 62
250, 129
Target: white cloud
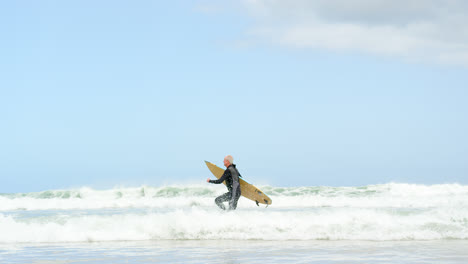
416, 30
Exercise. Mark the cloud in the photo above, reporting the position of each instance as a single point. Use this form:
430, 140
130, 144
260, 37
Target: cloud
414, 30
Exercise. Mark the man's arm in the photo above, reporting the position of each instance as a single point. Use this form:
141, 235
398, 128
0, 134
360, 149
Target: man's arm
226, 174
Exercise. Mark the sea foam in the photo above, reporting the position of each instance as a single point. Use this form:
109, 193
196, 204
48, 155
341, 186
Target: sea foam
377, 212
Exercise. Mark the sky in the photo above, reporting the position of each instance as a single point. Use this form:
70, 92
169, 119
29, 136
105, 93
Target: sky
301, 93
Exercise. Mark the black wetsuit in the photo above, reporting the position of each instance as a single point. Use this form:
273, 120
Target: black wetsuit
231, 176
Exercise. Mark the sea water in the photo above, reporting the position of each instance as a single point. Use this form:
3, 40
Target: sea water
387, 223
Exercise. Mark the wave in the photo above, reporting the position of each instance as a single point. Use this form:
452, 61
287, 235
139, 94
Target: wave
373, 196
264, 224
377, 212
119, 197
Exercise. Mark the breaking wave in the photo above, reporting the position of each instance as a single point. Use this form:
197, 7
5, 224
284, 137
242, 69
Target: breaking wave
376, 212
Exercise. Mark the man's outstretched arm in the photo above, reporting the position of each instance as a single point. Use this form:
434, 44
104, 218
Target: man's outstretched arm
220, 180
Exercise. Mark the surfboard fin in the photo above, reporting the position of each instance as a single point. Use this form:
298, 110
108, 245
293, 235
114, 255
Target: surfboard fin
266, 202
256, 202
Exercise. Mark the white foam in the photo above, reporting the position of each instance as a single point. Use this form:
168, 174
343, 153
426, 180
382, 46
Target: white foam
264, 224
87, 198
375, 196
378, 212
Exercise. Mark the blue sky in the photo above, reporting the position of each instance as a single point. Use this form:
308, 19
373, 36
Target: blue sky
105, 93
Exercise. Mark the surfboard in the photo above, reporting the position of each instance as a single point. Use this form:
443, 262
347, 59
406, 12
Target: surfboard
247, 190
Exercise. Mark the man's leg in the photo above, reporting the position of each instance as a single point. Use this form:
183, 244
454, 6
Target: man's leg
223, 198
234, 199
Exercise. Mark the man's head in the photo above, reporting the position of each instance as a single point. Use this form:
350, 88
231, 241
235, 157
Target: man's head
228, 160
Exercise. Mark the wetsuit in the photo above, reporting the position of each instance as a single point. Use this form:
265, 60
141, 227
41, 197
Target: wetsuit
231, 176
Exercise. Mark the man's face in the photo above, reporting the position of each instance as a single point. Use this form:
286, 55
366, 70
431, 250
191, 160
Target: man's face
226, 163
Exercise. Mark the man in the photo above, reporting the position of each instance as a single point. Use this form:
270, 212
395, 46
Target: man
231, 176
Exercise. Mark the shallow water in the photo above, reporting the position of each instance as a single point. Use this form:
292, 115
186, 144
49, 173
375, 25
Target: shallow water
235, 251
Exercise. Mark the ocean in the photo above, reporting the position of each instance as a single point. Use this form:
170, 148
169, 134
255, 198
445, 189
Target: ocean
387, 223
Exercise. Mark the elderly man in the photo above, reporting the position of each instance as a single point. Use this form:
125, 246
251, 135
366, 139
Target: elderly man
231, 176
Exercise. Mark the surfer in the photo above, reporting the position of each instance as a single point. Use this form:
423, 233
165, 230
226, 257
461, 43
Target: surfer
231, 176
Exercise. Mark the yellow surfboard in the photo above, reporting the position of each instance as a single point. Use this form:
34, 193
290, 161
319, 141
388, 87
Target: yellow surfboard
247, 190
